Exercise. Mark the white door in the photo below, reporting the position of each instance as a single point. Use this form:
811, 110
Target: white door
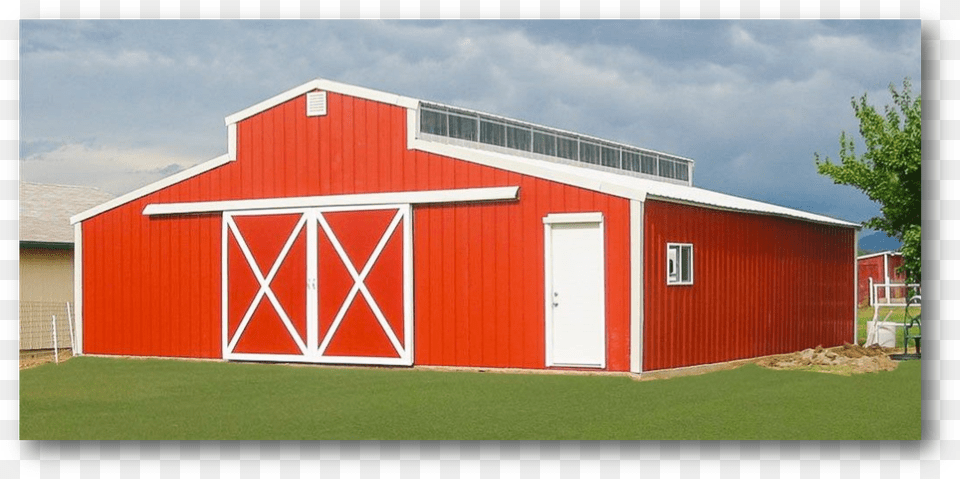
574, 258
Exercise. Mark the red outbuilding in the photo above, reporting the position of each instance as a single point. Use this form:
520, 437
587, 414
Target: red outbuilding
881, 268
352, 226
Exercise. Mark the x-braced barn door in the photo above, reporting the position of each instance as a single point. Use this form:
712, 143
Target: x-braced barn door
326, 285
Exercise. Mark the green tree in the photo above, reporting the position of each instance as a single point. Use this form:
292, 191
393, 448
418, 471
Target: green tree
888, 172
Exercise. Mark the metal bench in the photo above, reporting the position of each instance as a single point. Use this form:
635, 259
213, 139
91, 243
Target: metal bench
911, 326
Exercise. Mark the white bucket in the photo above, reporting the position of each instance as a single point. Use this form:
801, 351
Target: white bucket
883, 333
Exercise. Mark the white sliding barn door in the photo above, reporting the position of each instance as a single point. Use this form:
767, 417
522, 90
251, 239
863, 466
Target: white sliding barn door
324, 285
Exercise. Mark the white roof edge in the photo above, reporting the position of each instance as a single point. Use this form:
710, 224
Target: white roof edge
760, 208
326, 85
152, 187
628, 187
881, 253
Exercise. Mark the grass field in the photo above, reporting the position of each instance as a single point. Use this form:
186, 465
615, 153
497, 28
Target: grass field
864, 315
100, 398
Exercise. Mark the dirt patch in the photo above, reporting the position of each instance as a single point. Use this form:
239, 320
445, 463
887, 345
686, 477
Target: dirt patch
844, 360
29, 359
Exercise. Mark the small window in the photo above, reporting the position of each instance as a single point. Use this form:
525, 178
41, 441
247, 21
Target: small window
648, 164
631, 161
463, 128
544, 143
433, 122
492, 133
610, 157
567, 148
590, 153
679, 263
518, 138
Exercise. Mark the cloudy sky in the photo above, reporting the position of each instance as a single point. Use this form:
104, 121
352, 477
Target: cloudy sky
120, 104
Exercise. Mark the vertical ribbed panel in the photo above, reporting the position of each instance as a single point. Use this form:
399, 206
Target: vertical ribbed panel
762, 285
152, 285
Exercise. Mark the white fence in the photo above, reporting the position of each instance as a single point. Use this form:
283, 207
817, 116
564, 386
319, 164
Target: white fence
891, 294
38, 328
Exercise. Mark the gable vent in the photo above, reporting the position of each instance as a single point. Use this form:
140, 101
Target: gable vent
317, 103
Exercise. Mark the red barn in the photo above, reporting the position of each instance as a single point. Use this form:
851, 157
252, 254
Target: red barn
881, 268
352, 226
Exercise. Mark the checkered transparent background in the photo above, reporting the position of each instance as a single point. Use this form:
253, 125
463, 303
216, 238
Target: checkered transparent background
935, 456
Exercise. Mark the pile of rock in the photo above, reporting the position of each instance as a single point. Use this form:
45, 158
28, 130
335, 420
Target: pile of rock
846, 359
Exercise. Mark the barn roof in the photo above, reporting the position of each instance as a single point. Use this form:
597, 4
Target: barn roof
881, 253
594, 177
45, 210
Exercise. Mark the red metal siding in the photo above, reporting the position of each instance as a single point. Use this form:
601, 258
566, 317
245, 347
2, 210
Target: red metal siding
866, 269
152, 285
762, 285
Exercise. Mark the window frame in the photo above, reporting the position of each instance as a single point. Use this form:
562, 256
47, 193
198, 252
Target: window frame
676, 279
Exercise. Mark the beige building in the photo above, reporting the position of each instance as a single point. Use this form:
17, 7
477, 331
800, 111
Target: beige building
46, 258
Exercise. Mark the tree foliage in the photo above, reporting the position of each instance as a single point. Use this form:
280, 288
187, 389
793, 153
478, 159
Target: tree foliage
888, 172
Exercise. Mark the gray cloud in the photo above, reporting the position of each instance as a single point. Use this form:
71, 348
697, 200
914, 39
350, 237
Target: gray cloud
751, 101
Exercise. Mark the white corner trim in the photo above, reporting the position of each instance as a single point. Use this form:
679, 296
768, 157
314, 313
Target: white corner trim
856, 285
325, 85
636, 286
153, 187
594, 217
413, 126
547, 299
412, 197
408, 312
78, 287
232, 141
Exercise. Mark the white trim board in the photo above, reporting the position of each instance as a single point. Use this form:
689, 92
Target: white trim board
636, 286
465, 195
567, 218
856, 286
78, 287
153, 187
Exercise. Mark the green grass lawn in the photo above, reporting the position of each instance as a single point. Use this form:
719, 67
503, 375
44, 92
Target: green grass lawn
100, 398
865, 315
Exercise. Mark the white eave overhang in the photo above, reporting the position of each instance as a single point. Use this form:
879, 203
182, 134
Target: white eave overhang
152, 188
624, 186
881, 253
